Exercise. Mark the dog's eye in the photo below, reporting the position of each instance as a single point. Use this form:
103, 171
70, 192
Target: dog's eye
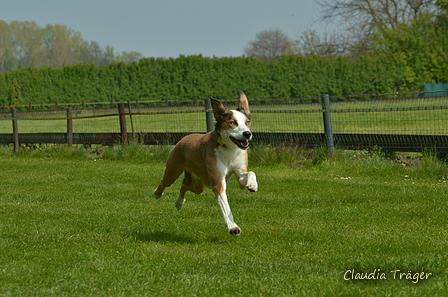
233, 123
247, 123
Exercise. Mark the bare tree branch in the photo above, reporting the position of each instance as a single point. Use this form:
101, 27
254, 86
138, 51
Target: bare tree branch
362, 18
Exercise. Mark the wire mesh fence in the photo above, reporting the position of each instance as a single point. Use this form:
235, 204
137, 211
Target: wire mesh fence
414, 114
400, 116
185, 120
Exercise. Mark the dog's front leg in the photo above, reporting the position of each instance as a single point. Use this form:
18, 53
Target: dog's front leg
221, 196
248, 180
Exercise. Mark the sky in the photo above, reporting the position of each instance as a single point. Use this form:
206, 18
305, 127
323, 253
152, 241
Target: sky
169, 28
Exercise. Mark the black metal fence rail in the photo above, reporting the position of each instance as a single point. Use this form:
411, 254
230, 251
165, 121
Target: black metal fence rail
390, 142
342, 125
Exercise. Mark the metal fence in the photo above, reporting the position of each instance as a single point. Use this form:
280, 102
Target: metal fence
401, 122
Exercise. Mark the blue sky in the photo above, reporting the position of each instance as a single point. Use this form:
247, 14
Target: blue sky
169, 28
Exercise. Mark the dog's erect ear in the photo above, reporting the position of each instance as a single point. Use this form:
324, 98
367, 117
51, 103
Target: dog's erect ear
218, 109
243, 106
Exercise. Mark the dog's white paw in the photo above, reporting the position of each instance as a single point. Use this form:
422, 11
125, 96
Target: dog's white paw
235, 231
252, 184
179, 203
156, 195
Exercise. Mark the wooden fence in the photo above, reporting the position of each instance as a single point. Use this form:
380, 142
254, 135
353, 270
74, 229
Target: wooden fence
387, 141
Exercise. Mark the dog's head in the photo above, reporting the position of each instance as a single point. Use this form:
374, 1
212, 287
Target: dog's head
233, 125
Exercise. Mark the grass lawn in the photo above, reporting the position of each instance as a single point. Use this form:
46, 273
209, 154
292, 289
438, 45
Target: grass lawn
88, 226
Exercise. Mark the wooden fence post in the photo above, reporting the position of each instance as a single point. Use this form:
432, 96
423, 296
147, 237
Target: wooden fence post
15, 130
69, 127
209, 114
124, 133
327, 122
130, 117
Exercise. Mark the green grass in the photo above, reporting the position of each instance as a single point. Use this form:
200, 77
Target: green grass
84, 224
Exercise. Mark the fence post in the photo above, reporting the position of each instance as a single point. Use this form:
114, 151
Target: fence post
209, 114
15, 130
69, 127
131, 118
124, 133
327, 122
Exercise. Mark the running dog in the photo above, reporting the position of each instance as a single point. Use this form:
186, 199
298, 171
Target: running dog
209, 160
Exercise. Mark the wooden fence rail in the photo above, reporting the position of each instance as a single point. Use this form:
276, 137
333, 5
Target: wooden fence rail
393, 142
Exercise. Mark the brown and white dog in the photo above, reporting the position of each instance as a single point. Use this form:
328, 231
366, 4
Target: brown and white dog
209, 160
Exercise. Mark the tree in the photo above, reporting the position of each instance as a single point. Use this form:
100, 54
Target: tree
270, 45
360, 19
91, 53
7, 59
129, 57
366, 15
26, 44
27, 40
421, 47
443, 12
109, 55
328, 45
63, 45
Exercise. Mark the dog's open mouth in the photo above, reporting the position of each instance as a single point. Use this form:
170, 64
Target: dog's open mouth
242, 144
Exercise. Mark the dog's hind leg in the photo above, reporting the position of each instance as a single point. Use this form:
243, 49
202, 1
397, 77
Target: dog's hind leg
170, 176
189, 183
180, 201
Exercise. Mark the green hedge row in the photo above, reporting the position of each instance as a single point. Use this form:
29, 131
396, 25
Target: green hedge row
197, 77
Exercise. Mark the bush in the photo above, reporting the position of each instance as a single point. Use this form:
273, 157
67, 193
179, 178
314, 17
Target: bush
197, 77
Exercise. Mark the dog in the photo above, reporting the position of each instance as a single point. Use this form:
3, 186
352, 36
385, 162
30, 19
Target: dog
209, 160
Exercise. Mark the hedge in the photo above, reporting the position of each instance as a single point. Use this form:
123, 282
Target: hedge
189, 77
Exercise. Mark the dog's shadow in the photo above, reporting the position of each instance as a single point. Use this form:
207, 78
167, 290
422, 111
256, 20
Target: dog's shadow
163, 237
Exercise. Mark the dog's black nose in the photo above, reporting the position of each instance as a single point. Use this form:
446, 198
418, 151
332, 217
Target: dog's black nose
247, 134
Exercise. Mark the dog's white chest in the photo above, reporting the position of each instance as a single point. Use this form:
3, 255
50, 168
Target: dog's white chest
228, 159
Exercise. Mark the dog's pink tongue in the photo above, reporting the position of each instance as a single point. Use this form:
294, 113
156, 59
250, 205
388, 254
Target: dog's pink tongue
241, 143
244, 142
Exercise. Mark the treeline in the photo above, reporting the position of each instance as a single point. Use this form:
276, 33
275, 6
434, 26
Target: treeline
26, 44
197, 77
